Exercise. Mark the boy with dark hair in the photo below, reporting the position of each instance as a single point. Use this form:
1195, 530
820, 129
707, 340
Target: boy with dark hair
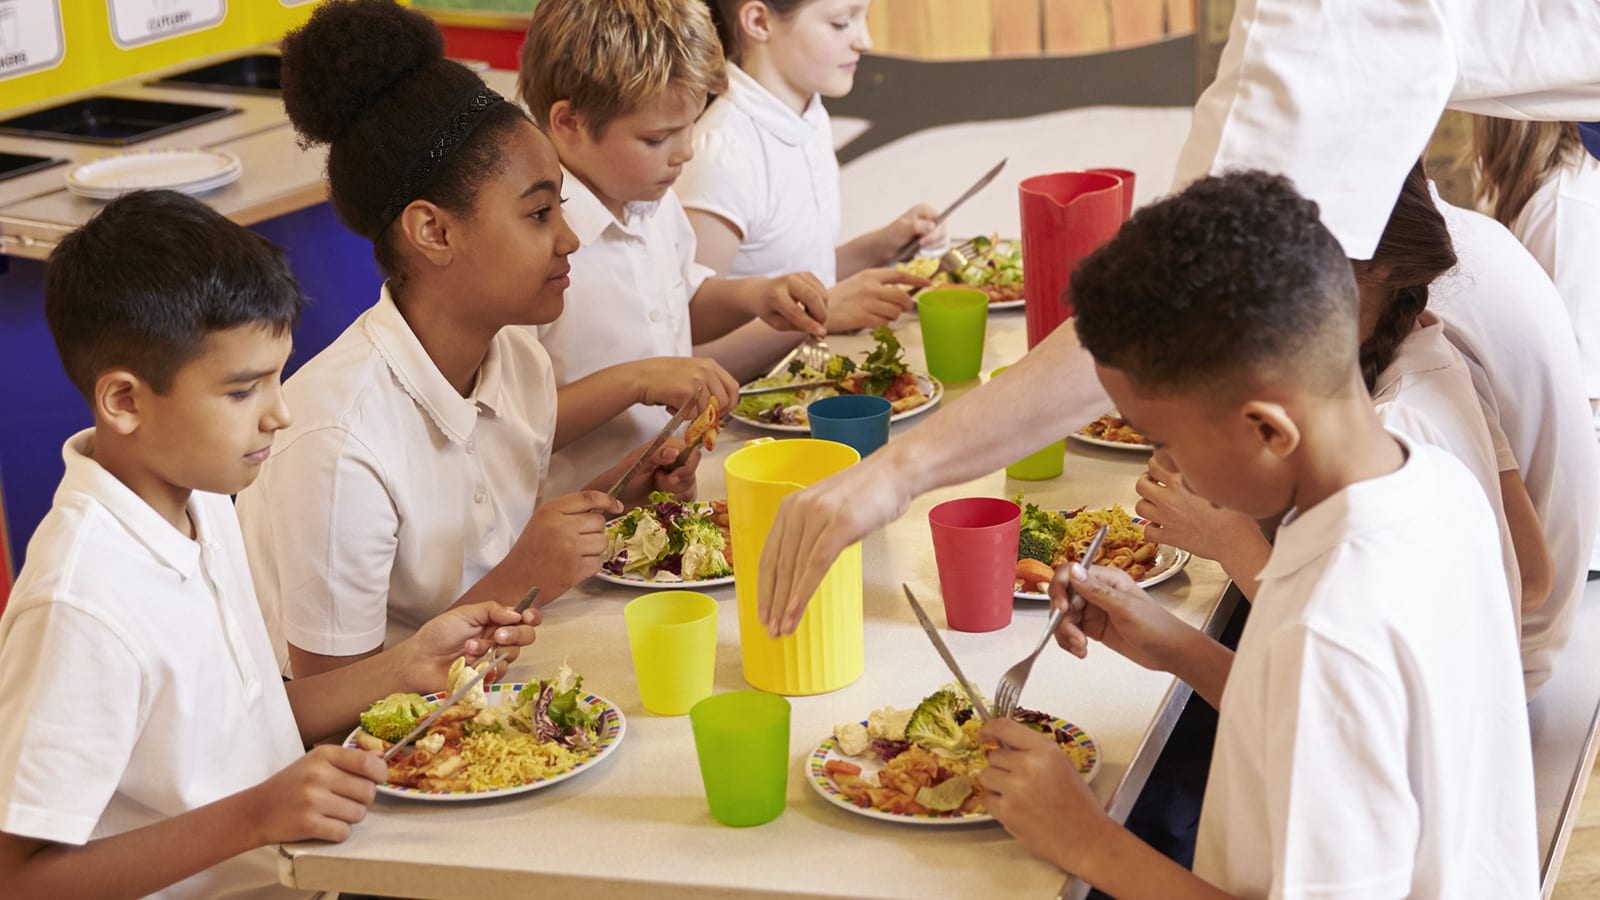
151, 747
1372, 739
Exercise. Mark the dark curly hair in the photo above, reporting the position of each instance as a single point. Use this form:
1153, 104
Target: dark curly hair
1414, 251
369, 79
150, 277
1234, 277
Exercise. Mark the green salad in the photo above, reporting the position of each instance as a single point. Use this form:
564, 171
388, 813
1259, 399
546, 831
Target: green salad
668, 540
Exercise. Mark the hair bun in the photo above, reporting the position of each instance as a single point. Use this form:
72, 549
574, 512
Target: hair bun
348, 55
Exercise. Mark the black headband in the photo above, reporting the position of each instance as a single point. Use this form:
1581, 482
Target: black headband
450, 135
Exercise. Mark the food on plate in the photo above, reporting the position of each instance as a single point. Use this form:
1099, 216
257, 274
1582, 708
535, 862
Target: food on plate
541, 731
994, 267
703, 430
1113, 428
670, 540
930, 755
883, 373
1052, 539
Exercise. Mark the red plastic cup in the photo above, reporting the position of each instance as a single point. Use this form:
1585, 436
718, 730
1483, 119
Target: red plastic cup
975, 546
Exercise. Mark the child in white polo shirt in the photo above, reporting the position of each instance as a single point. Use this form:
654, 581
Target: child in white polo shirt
762, 191
410, 480
150, 746
618, 86
1372, 738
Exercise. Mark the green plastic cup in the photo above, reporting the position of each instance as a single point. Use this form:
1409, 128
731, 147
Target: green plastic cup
953, 324
742, 740
673, 636
1042, 464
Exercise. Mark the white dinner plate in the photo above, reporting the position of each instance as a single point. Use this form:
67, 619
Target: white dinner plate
631, 580
1169, 561
612, 727
816, 775
190, 171
928, 384
1114, 445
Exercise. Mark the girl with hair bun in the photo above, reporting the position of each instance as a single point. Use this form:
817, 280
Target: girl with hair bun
409, 480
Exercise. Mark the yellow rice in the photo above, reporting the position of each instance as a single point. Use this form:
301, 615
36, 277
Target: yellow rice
1123, 532
509, 759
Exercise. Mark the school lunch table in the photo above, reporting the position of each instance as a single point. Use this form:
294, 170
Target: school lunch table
636, 824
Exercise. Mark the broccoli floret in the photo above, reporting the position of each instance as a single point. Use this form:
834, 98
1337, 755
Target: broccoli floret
393, 717
1035, 545
839, 366
933, 724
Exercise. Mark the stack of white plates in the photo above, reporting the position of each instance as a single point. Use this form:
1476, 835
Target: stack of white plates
189, 171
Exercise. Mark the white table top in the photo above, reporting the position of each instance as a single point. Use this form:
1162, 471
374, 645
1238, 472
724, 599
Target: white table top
637, 823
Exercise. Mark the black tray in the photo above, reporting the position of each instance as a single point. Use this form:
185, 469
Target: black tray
258, 73
116, 121
13, 165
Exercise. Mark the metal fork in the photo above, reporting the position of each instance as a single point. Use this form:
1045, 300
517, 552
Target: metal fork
956, 258
814, 354
1011, 683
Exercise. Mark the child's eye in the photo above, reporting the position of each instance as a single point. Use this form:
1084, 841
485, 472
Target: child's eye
244, 394
541, 214
840, 26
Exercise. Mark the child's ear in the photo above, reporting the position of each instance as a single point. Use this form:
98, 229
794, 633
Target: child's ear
427, 229
1272, 426
566, 124
118, 400
754, 19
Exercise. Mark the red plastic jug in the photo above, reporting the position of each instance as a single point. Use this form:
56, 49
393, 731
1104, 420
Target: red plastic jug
1065, 217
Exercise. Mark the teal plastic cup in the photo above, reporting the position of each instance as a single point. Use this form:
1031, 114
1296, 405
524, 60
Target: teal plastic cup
856, 420
742, 740
953, 324
1042, 464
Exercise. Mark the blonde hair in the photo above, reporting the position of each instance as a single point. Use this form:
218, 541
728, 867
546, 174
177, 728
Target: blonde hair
610, 58
1514, 157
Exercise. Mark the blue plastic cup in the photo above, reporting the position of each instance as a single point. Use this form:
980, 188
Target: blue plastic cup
856, 420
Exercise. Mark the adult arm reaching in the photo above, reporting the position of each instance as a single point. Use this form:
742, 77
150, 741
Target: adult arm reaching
1051, 391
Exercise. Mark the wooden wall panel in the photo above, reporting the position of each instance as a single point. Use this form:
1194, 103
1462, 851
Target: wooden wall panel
1135, 22
1018, 27
1076, 26
908, 26
959, 29
1180, 16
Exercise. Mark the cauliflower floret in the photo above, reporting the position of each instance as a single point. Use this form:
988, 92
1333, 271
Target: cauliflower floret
888, 724
852, 738
433, 743
459, 673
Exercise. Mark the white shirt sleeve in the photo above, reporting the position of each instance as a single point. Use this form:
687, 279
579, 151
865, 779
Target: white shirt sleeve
722, 181
1345, 822
333, 533
1577, 278
1297, 92
67, 740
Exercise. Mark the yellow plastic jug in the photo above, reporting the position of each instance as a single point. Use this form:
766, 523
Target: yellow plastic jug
825, 653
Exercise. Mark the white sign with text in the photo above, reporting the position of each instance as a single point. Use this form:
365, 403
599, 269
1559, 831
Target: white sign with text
30, 36
135, 22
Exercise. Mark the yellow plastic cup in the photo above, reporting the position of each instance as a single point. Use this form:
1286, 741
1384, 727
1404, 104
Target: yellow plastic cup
1042, 464
825, 652
673, 635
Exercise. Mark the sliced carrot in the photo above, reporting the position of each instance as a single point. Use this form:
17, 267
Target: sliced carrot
840, 767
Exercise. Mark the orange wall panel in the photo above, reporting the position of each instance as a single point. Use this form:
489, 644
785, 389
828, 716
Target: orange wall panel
1076, 26
1018, 27
1135, 22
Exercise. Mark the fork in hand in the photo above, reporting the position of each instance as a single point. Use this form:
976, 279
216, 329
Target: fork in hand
1011, 683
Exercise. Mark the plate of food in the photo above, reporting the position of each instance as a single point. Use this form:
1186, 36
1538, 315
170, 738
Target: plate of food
1111, 430
670, 543
1052, 539
994, 267
882, 373
919, 766
499, 740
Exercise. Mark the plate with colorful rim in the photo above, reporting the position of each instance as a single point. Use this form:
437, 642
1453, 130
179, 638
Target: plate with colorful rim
929, 385
1169, 561
818, 759
612, 728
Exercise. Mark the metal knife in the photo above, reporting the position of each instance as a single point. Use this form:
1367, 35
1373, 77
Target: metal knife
453, 699
944, 653
666, 430
784, 388
909, 248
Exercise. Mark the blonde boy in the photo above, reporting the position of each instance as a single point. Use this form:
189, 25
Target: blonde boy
618, 85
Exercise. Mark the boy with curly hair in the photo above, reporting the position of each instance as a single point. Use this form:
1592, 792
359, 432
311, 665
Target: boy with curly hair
1372, 737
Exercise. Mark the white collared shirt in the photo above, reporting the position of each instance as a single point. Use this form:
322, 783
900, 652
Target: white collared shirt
391, 494
632, 282
1426, 394
773, 175
1505, 317
137, 682
1372, 740
1343, 98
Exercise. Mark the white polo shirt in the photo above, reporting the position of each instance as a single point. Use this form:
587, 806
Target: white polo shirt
1560, 226
1298, 84
1426, 394
1373, 740
771, 173
136, 680
632, 282
1505, 317
391, 494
